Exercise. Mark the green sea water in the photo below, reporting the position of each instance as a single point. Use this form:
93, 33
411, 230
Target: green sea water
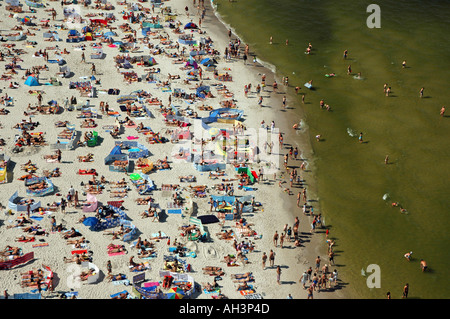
352, 177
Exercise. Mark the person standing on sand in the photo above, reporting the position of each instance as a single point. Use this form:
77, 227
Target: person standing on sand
303, 279
271, 258
278, 275
282, 239
275, 239
264, 259
310, 292
317, 263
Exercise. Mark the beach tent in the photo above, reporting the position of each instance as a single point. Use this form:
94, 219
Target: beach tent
90, 221
31, 81
151, 61
208, 62
14, 3
109, 34
34, 3
190, 25
197, 52
202, 91
192, 63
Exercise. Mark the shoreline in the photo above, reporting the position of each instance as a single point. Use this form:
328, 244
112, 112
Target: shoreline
264, 221
301, 139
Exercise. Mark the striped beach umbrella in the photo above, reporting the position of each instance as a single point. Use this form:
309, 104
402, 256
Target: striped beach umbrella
175, 293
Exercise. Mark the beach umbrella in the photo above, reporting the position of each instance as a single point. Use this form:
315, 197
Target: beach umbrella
25, 19
151, 61
175, 293
135, 177
90, 221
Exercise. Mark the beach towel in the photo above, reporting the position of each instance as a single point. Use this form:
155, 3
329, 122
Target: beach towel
132, 137
151, 284
125, 282
38, 218
163, 235
247, 291
117, 253
174, 211
84, 245
119, 293
216, 290
27, 240
21, 260
79, 251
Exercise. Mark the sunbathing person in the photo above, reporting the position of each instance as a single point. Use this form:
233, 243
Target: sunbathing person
71, 233
24, 238
10, 251
122, 295
79, 241
149, 213
134, 265
74, 259
116, 248
119, 276
85, 274
34, 230
226, 234
159, 236
244, 278
144, 253
115, 234
244, 286
211, 269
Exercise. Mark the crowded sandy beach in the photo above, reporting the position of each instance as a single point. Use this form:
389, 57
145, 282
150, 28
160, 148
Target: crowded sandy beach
143, 155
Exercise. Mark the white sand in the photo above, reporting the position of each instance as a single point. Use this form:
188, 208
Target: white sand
278, 206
